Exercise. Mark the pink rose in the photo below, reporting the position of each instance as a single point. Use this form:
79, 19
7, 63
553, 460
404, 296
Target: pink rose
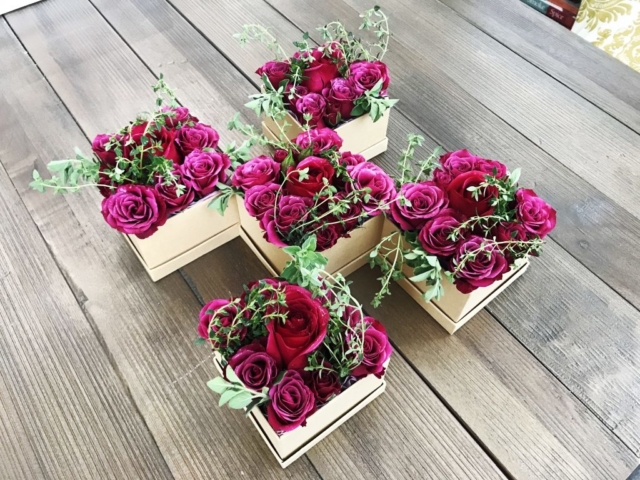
320, 139
107, 157
291, 211
258, 171
487, 265
270, 229
135, 210
260, 199
380, 186
198, 137
312, 104
537, 217
366, 75
169, 193
377, 350
291, 403
426, 200
318, 169
217, 324
348, 159
276, 72
178, 116
279, 155
340, 95
203, 170
434, 235
254, 367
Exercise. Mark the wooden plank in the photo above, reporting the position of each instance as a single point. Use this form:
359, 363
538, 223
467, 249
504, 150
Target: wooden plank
64, 412
581, 212
148, 329
568, 58
455, 454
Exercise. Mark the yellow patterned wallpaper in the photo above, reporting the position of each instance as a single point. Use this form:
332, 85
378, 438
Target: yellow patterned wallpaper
613, 26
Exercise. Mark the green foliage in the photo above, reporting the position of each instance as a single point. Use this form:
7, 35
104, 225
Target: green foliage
263, 35
235, 394
68, 175
221, 201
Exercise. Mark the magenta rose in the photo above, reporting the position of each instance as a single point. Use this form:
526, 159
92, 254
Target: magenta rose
348, 159
107, 157
291, 211
155, 135
434, 235
377, 350
135, 210
105, 185
537, 217
291, 403
203, 170
340, 95
461, 199
260, 199
254, 367
178, 116
280, 155
169, 193
487, 265
302, 331
492, 167
352, 216
198, 137
379, 184
257, 171
276, 72
217, 323
365, 75
271, 232
318, 169
511, 232
312, 104
320, 139
322, 69
324, 383
461, 161
426, 200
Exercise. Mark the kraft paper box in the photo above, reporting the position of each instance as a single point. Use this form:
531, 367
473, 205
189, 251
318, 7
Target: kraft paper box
290, 446
455, 308
359, 135
345, 257
185, 237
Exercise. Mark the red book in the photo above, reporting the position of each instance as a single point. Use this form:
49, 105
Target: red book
564, 5
563, 17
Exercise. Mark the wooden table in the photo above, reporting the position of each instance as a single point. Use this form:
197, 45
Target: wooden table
99, 376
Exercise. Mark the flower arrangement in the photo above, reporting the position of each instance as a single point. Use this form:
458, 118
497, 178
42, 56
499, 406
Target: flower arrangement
463, 217
322, 86
153, 168
290, 345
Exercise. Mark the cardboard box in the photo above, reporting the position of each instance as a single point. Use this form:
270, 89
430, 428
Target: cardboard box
345, 257
185, 237
290, 446
359, 135
454, 308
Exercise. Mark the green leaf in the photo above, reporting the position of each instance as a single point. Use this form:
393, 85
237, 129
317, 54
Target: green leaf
218, 384
421, 277
240, 400
226, 396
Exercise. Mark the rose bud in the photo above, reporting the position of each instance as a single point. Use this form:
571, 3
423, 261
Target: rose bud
198, 137
216, 318
260, 199
291, 211
461, 199
312, 104
202, 171
323, 68
261, 170
348, 159
154, 135
324, 383
276, 72
487, 265
376, 349
319, 170
291, 403
426, 201
254, 367
537, 217
365, 75
381, 187
322, 139
169, 193
279, 155
302, 331
135, 210
178, 116
340, 95
434, 235
107, 157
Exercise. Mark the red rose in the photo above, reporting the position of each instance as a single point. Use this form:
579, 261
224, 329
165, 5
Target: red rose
217, 323
312, 104
461, 161
340, 95
319, 170
254, 367
511, 232
276, 72
425, 201
279, 155
257, 171
198, 137
154, 135
320, 139
291, 211
302, 331
351, 217
322, 69
486, 266
178, 116
461, 199
260, 199
377, 350
380, 185
434, 235
365, 75
323, 383
537, 217
135, 210
202, 171
169, 193
348, 159
107, 157
327, 235
105, 183
291, 403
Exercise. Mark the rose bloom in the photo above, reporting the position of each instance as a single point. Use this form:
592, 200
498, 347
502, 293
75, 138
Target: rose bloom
181, 116
169, 193
291, 403
107, 157
260, 199
484, 269
510, 232
322, 140
341, 94
164, 136
258, 171
327, 235
210, 327
271, 232
377, 350
434, 235
323, 383
203, 170
291, 211
461, 199
312, 104
104, 183
198, 137
135, 210
254, 367
302, 331
350, 218
427, 200
365, 75
319, 170
348, 159
279, 155
291, 96
537, 217
461, 161
321, 70
369, 175
275, 71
